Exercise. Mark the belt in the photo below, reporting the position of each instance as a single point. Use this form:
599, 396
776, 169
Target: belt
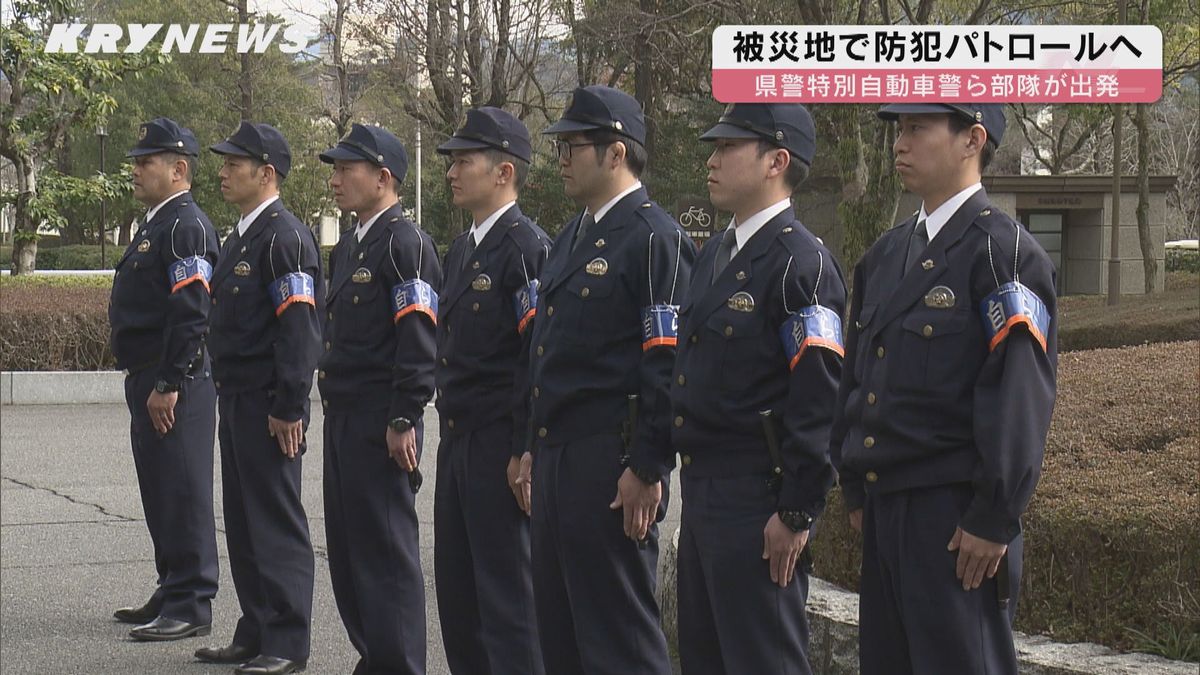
196, 364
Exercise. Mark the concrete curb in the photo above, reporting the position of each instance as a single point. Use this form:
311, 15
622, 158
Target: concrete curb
68, 388
833, 643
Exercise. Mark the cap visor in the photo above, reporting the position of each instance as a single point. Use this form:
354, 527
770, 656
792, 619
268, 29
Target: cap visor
344, 153
566, 126
891, 111
461, 144
723, 130
227, 148
139, 152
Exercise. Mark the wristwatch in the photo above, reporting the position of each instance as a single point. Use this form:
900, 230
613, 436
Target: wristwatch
400, 424
164, 387
797, 521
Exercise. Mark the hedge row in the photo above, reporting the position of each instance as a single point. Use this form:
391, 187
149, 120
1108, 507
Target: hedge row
1087, 322
1112, 536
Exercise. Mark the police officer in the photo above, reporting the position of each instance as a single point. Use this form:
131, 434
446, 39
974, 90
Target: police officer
753, 395
159, 316
605, 333
485, 323
944, 404
268, 300
376, 377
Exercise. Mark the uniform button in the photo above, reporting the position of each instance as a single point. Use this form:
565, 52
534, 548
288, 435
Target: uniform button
320, 375
475, 307
686, 459
135, 264
871, 398
869, 442
550, 310
324, 403
536, 392
679, 421
218, 384
450, 423
356, 299
444, 361
681, 380
927, 330
694, 339
447, 329
542, 432
214, 300
879, 352
585, 292
540, 350
728, 330
872, 476
237, 289
330, 316
328, 346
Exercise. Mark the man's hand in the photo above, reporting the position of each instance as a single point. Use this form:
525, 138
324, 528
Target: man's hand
520, 482
289, 435
640, 502
402, 448
976, 557
162, 411
782, 547
856, 520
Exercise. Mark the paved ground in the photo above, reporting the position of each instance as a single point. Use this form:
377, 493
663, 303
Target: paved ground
74, 546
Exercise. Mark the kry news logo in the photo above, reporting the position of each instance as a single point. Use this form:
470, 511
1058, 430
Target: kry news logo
217, 38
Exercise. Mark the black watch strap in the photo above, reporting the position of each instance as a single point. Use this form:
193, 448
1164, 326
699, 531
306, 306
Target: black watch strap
797, 521
164, 387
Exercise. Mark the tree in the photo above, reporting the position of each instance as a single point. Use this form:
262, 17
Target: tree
45, 95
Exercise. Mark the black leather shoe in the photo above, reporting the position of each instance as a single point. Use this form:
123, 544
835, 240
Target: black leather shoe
269, 665
138, 615
163, 629
234, 653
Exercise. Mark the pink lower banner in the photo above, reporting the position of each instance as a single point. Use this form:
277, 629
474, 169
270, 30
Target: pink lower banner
738, 85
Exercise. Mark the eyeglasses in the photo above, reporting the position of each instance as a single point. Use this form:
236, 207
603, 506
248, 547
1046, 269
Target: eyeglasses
563, 148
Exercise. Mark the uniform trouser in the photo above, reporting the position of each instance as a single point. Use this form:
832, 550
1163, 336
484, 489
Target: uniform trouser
175, 479
593, 586
914, 615
270, 554
481, 558
372, 533
732, 618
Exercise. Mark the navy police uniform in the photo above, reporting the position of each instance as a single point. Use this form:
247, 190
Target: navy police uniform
377, 367
485, 323
268, 297
763, 334
605, 332
159, 317
943, 411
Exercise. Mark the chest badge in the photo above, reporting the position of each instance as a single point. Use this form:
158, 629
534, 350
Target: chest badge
597, 267
940, 297
600, 243
361, 275
242, 269
482, 283
144, 246
741, 302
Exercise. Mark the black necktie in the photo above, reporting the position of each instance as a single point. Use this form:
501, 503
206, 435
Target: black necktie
917, 242
584, 223
724, 254
470, 249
